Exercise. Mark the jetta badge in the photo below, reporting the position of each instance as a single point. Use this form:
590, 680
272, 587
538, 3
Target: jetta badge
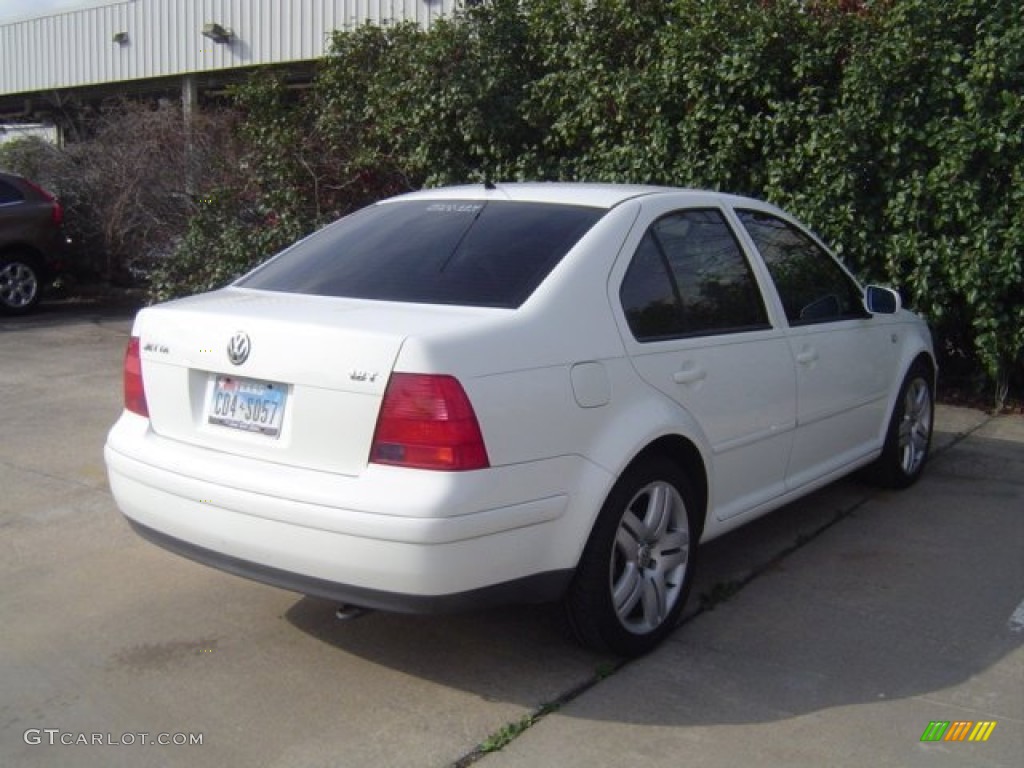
238, 348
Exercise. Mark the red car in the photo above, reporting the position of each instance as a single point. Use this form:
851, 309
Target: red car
32, 242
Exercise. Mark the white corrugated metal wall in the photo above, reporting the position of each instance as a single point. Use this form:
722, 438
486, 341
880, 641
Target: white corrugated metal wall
164, 37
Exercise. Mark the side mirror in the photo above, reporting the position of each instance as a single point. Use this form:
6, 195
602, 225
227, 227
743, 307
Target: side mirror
881, 301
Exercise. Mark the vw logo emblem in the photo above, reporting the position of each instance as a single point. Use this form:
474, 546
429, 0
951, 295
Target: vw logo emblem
238, 348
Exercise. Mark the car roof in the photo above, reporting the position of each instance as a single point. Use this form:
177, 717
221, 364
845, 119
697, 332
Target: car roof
565, 193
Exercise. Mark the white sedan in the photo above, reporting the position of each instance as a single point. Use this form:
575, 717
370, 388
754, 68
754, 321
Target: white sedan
521, 392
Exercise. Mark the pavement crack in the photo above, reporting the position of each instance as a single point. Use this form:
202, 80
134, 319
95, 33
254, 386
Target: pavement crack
509, 732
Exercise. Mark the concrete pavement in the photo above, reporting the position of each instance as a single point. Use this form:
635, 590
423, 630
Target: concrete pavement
834, 630
907, 610
101, 633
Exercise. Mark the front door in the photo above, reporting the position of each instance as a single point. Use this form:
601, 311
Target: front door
843, 355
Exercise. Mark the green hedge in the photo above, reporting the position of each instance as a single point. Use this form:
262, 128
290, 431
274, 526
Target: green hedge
893, 127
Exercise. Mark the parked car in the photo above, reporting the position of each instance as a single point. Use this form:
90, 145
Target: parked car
527, 392
32, 242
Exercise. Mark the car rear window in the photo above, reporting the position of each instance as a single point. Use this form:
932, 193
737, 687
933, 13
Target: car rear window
9, 193
465, 252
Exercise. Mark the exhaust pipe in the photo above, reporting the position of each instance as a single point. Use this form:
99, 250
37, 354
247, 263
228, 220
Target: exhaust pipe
348, 612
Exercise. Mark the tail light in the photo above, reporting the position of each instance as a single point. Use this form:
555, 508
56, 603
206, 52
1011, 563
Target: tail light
56, 209
134, 391
427, 422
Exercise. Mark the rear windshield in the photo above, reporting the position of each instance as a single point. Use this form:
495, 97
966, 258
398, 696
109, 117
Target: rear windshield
469, 252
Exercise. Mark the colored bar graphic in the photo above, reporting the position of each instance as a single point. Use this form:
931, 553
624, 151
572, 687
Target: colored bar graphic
983, 730
935, 731
959, 730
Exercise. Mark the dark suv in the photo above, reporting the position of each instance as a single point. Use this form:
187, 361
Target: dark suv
32, 242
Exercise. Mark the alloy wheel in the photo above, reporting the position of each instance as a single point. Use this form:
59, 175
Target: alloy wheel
915, 428
649, 558
18, 285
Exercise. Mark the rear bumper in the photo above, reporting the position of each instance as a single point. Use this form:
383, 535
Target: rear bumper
508, 534
539, 588
54, 253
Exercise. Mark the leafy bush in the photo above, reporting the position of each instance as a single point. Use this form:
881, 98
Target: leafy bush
918, 170
894, 127
250, 202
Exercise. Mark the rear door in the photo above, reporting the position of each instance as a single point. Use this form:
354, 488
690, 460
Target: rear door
697, 329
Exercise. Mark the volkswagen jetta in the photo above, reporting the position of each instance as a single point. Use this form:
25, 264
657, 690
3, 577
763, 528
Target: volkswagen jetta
528, 392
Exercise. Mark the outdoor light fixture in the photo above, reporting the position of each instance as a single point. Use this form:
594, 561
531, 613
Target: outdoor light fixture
121, 38
217, 33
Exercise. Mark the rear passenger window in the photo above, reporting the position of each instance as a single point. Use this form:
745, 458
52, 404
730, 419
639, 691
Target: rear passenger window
689, 277
9, 194
812, 286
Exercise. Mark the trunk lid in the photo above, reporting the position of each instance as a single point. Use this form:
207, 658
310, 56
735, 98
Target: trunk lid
324, 363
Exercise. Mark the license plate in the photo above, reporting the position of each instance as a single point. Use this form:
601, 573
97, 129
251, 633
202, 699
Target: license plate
247, 405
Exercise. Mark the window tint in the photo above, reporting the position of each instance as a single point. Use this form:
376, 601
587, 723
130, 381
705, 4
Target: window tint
649, 296
9, 193
812, 286
472, 253
689, 276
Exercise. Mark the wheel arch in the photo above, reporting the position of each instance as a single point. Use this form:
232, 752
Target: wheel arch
918, 350
928, 361
684, 454
590, 604
923, 357
24, 251
887, 470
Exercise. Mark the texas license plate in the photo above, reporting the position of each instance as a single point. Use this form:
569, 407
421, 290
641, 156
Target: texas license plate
248, 405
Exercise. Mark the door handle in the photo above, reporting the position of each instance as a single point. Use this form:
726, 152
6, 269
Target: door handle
690, 373
807, 355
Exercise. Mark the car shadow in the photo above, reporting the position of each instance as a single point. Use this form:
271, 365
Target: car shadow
849, 596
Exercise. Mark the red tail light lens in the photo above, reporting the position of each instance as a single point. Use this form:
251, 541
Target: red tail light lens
57, 210
427, 422
134, 391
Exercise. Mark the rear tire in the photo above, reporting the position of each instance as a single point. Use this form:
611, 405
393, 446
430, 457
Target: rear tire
632, 581
20, 286
908, 439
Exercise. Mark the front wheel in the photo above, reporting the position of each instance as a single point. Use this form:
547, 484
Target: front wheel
19, 285
908, 439
632, 580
